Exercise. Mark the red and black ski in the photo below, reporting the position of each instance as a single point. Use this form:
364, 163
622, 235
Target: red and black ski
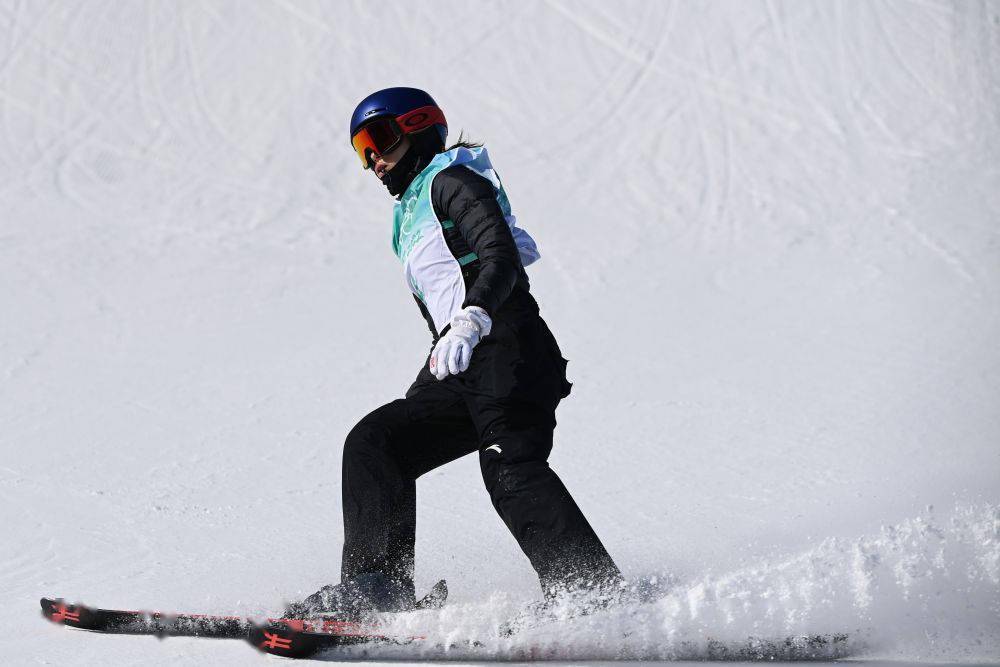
293, 638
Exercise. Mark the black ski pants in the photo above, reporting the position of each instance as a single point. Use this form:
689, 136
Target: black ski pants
502, 407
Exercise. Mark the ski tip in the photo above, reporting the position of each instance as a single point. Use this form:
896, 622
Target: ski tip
57, 611
50, 605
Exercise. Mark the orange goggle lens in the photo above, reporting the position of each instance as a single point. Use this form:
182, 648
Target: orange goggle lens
383, 134
378, 137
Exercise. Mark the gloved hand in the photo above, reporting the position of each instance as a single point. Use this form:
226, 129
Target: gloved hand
453, 351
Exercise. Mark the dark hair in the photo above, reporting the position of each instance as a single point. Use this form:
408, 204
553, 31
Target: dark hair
463, 143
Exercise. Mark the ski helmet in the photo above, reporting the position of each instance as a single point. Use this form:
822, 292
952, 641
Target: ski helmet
381, 120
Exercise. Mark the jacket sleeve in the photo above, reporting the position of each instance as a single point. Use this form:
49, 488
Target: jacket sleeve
467, 199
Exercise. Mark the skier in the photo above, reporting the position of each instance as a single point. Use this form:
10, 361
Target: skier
490, 384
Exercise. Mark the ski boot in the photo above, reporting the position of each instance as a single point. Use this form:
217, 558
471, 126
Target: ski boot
355, 599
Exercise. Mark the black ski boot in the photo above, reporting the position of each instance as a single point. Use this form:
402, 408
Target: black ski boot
356, 598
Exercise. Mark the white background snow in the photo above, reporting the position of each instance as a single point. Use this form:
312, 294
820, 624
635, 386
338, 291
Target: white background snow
770, 249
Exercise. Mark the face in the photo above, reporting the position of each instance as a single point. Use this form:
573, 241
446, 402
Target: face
386, 162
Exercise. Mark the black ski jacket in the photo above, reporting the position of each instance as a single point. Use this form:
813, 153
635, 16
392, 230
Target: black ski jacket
519, 363
496, 281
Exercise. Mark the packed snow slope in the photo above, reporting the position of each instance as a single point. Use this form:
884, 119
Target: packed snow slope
770, 250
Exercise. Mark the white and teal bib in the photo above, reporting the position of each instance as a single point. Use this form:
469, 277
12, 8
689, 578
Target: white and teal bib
432, 272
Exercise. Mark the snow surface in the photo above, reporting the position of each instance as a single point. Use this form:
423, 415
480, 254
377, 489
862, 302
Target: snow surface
769, 236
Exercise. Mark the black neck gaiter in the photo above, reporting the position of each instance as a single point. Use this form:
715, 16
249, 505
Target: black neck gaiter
397, 179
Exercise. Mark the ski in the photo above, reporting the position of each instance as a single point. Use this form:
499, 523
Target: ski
301, 638
286, 637
293, 638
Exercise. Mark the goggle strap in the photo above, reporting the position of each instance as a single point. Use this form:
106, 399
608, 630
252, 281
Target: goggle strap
421, 118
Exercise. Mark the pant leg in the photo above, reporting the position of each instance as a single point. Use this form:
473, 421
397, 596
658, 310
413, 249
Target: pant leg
383, 456
540, 513
512, 396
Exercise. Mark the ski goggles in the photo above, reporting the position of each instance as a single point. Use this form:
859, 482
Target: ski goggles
383, 135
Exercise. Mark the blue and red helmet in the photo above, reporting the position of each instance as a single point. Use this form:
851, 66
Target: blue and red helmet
382, 119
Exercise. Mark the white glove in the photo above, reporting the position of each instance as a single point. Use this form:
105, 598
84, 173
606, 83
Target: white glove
453, 351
